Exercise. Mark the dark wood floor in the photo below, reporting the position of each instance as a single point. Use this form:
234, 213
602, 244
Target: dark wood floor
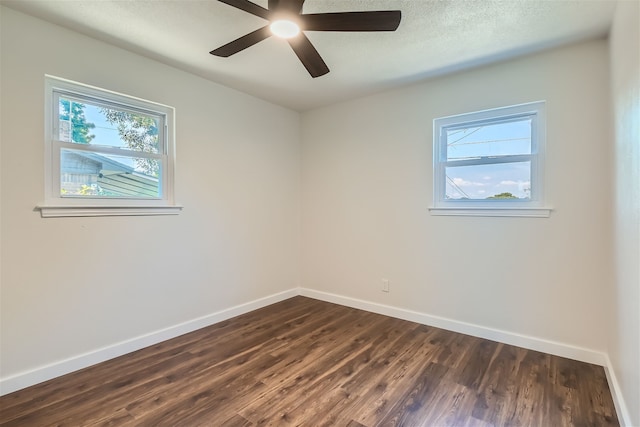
303, 362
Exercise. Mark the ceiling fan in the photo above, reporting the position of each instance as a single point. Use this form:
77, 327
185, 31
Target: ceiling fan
286, 20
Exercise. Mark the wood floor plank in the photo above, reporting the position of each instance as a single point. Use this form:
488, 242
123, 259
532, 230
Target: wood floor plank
454, 406
494, 392
475, 365
344, 389
278, 403
394, 379
406, 409
303, 362
235, 421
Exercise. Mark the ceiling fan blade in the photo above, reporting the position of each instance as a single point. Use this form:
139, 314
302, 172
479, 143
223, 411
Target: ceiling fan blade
308, 55
385, 20
243, 42
249, 7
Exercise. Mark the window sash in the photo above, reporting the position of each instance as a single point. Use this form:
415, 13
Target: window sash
57, 148
57, 145
533, 112
488, 160
83, 99
443, 138
101, 149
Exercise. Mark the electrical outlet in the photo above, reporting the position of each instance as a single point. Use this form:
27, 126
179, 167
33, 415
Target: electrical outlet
385, 285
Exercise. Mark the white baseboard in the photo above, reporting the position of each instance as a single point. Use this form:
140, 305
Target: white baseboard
56, 369
531, 343
621, 408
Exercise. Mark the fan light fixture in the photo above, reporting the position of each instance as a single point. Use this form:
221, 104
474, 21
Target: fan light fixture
284, 28
287, 21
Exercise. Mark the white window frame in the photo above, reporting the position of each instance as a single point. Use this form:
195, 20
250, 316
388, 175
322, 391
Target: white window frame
533, 207
54, 204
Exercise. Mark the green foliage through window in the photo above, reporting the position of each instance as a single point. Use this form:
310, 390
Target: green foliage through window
73, 112
140, 133
503, 196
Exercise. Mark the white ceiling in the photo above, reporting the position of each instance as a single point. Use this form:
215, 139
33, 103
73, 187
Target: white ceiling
434, 37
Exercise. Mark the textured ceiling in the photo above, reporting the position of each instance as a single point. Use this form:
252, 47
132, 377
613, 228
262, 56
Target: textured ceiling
434, 37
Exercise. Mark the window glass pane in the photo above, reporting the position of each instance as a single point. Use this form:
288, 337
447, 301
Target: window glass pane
84, 173
84, 123
493, 181
497, 139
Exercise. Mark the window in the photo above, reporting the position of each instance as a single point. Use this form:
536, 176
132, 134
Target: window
106, 153
490, 163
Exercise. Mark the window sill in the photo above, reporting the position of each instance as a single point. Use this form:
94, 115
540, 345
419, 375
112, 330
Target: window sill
495, 212
76, 211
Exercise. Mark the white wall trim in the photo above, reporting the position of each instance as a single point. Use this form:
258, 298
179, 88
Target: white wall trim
56, 369
506, 337
68, 211
624, 417
495, 212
